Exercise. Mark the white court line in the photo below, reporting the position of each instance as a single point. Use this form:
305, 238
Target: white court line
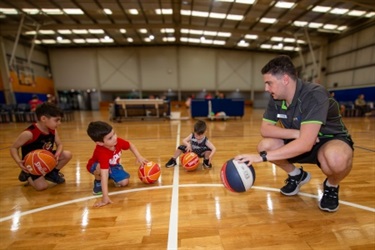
173, 217
18, 215
32, 211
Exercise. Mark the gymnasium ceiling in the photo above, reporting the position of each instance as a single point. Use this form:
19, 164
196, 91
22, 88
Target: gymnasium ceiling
230, 24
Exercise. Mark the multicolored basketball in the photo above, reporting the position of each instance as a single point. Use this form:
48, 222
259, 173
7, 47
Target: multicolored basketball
149, 172
190, 161
236, 176
40, 162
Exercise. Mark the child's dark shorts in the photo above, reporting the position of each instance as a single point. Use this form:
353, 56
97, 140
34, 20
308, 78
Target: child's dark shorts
199, 151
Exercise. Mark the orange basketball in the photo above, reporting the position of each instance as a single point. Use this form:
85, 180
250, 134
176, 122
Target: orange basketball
39, 162
149, 173
190, 161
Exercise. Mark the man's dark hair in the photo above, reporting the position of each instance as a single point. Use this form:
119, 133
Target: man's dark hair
97, 130
280, 65
200, 127
48, 110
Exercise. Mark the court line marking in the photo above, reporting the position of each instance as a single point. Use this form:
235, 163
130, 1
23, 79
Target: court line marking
32, 211
173, 216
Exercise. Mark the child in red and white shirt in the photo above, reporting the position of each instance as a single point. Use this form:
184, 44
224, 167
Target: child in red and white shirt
105, 161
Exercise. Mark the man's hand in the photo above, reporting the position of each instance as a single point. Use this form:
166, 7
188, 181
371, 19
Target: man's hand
249, 159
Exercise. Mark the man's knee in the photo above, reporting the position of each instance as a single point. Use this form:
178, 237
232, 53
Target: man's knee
337, 159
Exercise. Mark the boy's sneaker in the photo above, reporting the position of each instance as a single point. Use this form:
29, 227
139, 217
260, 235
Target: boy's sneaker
97, 190
330, 199
55, 176
207, 165
171, 163
23, 176
293, 183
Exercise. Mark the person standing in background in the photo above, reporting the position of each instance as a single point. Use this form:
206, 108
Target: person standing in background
34, 102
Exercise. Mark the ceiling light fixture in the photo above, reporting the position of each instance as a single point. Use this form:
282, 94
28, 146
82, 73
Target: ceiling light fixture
8, 11
53, 11
133, 11
107, 11
31, 11
323, 9
284, 5
164, 11
73, 11
338, 11
268, 20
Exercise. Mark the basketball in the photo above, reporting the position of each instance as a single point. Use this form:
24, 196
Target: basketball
236, 176
190, 161
149, 172
39, 162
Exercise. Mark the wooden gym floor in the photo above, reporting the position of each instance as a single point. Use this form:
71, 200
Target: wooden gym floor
185, 210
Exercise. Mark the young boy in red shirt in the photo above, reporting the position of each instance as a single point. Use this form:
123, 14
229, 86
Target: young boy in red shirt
105, 161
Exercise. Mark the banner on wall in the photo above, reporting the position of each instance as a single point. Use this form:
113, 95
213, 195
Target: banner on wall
25, 74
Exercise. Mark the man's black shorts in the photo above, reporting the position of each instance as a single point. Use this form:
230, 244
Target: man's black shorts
312, 156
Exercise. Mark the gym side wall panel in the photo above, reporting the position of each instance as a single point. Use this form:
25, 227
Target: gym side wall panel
342, 45
364, 75
342, 62
39, 58
351, 59
342, 79
158, 68
118, 69
366, 37
38, 55
233, 70
74, 68
259, 60
365, 56
197, 68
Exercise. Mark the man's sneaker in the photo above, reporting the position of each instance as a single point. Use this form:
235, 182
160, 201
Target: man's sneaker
171, 163
23, 176
293, 183
55, 176
330, 199
97, 190
206, 164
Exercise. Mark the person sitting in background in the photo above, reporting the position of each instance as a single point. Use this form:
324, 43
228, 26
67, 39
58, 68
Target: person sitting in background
51, 98
361, 105
34, 102
208, 96
219, 95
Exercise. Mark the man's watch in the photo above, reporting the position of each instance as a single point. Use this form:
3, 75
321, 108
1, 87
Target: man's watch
263, 154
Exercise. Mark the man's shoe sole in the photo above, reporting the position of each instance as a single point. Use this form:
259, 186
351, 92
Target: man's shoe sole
326, 209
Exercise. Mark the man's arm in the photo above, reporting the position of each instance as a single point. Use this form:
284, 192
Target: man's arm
302, 144
270, 130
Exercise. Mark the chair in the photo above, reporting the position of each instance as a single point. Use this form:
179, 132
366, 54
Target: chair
6, 113
23, 113
350, 110
68, 114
